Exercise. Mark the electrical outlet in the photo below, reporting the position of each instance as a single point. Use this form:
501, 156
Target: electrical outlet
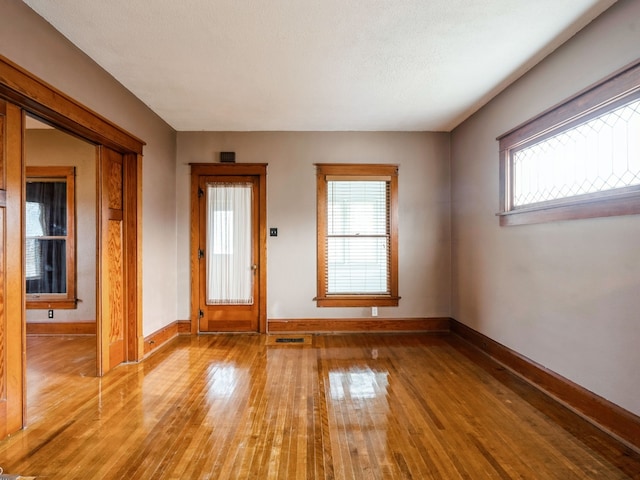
273, 232
374, 311
50, 313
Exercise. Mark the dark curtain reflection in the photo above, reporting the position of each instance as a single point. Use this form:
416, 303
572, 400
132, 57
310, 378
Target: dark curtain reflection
46, 217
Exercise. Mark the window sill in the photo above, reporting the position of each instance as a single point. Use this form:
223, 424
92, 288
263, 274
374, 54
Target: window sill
50, 303
609, 206
357, 301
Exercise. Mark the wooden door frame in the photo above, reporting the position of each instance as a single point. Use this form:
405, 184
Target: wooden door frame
131, 266
36, 97
228, 169
12, 277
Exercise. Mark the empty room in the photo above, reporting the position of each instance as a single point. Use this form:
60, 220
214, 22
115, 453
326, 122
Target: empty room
320, 240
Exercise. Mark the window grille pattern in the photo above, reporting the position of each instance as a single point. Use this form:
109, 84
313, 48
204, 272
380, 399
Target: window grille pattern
596, 156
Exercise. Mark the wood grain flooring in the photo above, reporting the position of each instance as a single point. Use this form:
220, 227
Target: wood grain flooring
347, 407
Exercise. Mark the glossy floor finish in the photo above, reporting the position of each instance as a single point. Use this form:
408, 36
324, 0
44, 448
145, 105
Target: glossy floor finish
348, 407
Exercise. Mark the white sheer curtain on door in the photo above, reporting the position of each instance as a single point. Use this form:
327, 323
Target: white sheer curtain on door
229, 252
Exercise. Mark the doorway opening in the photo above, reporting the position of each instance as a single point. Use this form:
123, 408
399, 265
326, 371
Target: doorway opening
60, 258
117, 228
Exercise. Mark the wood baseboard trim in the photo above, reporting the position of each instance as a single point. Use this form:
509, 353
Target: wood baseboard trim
358, 325
163, 336
621, 424
61, 328
184, 327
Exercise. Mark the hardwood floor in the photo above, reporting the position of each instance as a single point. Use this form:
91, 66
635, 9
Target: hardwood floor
348, 407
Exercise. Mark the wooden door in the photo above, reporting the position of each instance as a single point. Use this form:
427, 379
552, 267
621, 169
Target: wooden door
233, 300
111, 318
12, 333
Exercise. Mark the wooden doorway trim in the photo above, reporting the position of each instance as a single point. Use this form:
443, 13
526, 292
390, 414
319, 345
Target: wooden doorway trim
12, 311
229, 169
132, 173
46, 102
49, 104
118, 260
32, 95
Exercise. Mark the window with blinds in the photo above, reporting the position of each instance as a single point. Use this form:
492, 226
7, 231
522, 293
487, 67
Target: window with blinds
357, 235
50, 267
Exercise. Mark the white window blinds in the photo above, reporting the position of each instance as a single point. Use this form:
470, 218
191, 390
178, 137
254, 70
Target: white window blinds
357, 237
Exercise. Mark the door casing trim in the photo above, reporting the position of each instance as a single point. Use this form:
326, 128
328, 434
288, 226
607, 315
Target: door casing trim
227, 169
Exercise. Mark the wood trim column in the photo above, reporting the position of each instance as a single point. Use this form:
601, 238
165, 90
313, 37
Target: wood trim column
13, 252
133, 255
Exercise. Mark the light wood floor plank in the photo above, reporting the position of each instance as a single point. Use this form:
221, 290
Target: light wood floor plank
349, 407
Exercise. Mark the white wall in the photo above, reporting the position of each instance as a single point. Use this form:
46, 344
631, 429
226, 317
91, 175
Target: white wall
51, 147
564, 294
29, 41
424, 227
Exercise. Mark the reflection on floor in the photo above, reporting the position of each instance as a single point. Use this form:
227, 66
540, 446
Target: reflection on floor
346, 407
52, 361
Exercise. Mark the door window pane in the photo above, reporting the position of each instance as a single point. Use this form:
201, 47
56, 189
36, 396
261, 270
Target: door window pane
229, 256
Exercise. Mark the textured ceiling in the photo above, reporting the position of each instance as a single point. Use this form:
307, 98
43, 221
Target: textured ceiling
224, 65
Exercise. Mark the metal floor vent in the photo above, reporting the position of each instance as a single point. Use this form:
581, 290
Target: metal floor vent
273, 340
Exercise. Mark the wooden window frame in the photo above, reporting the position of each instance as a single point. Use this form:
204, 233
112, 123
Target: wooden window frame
66, 300
356, 171
619, 88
